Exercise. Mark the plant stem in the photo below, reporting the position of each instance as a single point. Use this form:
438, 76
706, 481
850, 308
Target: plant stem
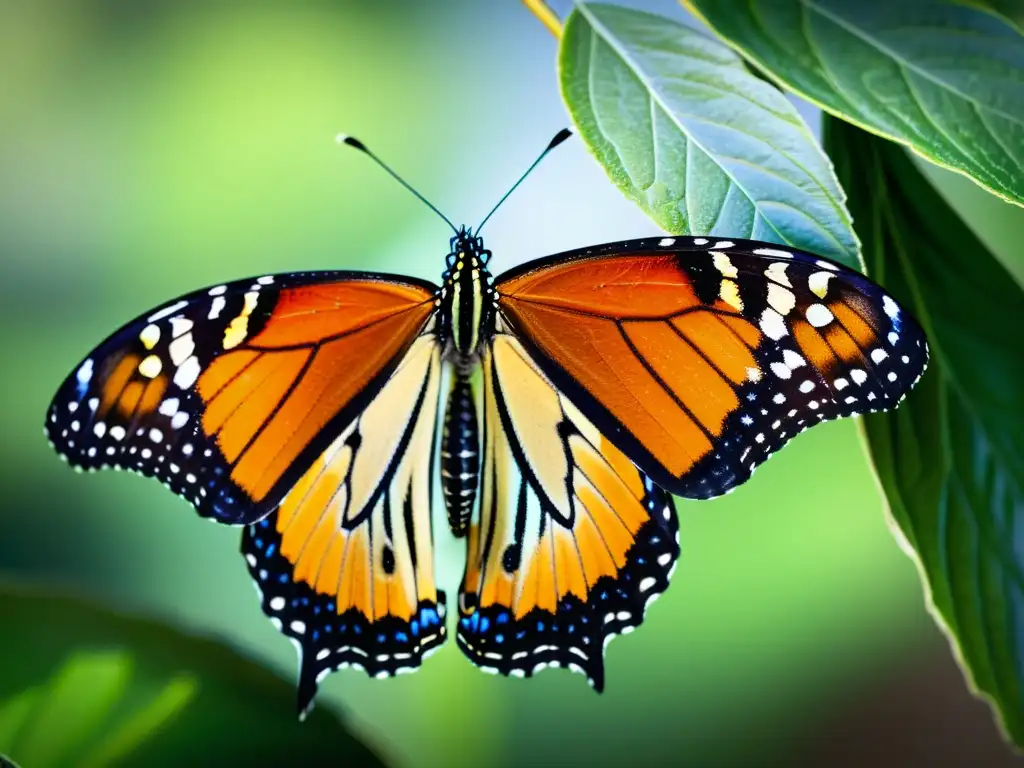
546, 16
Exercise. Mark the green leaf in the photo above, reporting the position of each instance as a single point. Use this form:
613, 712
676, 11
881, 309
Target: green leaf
81, 686
80, 697
951, 458
691, 136
1011, 9
945, 78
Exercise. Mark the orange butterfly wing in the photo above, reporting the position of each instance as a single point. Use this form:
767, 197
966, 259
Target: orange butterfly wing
227, 395
345, 565
700, 358
570, 542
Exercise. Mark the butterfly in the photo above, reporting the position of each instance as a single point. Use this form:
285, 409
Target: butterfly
581, 391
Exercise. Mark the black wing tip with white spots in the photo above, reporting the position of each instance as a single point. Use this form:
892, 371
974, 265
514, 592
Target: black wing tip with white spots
178, 456
770, 419
325, 640
792, 394
577, 636
169, 347
163, 352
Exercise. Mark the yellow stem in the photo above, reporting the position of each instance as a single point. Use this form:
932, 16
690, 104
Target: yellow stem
546, 16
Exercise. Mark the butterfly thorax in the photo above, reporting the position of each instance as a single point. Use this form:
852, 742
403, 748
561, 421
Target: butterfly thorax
466, 298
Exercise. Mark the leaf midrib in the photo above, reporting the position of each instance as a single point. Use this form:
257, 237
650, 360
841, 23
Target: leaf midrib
603, 32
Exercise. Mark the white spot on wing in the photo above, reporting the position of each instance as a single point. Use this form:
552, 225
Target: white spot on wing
819, 315
772, 324
181, 349
792, 359
781, 299
180, 325
818, 283
84, 374
149, 336
773, 252
151, 367
777, 271
724, 265
187, 373
890, 307
168, 311
216, 307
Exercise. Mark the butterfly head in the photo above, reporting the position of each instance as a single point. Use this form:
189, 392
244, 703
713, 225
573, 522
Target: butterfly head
465, 245
466, 293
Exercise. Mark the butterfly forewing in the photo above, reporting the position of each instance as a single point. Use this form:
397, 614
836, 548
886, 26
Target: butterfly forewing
699, 358
227, 394
570, 542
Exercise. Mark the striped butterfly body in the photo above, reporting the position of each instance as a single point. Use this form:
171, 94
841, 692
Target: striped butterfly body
582, 391
460, 455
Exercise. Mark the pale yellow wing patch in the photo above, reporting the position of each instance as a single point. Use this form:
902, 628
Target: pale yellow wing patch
570, 540
345, 565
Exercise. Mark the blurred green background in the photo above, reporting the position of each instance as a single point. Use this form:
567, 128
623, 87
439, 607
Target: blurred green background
147, 149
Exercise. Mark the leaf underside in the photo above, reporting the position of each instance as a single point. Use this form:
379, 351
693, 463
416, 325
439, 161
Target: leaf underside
951, 459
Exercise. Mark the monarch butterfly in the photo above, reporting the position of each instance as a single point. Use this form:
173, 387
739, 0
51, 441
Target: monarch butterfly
581, 391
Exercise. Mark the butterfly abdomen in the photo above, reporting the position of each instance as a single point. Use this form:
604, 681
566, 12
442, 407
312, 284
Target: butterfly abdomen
460, 457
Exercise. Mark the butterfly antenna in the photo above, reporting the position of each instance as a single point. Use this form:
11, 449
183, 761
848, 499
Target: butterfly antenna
353, 142
561, 136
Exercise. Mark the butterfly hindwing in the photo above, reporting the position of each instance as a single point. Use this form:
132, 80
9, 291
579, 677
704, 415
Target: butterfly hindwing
229, 393
345, 565
699, 358
570, 541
